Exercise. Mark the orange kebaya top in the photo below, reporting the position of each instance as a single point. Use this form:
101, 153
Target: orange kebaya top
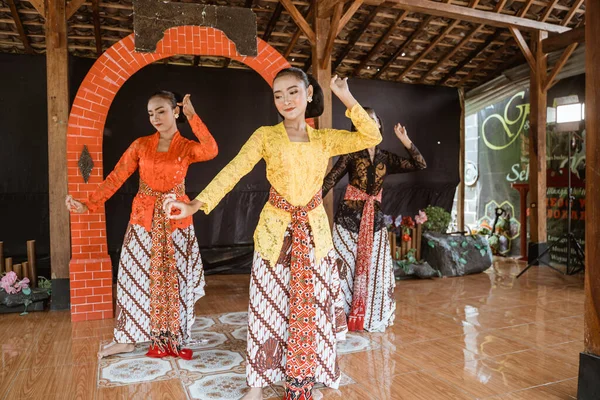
160, 171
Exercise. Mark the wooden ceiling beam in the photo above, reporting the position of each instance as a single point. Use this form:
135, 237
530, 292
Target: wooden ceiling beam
500, 6
523, 11
22, 34
539, 3
424, 53
433, 44
97, 32
335, 22
403, 46
478, 29
522, 43
381, 41
300, 20
39, 6
356, 34
572, 12
73, 6
507, 43
327, 7
549, 10
348, 15
562, 40
467, 60
272, 22
477, 16
296, 35
516, 59
559, 65
451, 54
486, 62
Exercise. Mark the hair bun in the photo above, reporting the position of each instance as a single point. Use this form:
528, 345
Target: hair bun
317, 105
178, 100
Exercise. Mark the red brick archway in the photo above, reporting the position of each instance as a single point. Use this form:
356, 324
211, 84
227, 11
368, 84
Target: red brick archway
90, 266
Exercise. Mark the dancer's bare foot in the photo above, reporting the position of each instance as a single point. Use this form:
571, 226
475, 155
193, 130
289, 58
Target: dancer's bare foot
115, 348
317, 395
253, 394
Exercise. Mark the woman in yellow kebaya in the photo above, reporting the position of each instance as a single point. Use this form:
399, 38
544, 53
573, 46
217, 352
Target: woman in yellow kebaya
295, 315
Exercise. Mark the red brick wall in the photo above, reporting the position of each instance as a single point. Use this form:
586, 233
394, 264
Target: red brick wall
90, 267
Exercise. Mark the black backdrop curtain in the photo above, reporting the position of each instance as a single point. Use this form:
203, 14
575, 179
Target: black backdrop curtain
232, 103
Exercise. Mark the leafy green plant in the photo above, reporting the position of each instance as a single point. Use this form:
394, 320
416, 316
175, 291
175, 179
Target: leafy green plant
438, 219
44, 283
409, 258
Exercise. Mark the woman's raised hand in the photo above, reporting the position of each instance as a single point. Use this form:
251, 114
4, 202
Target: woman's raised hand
75, 206
188, 108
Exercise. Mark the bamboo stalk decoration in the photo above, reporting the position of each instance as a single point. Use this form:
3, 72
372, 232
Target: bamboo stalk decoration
25, 270
32, 276
391, 240
413, 236
31, 262
8, 264
1, 257
419, 239
17, 270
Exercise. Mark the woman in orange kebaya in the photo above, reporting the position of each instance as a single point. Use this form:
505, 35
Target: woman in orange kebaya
160, 271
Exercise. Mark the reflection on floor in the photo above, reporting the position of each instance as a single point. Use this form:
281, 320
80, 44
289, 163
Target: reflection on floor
485, 336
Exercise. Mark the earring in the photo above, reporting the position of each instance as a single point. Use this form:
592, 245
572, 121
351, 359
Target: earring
176, 116
309, 99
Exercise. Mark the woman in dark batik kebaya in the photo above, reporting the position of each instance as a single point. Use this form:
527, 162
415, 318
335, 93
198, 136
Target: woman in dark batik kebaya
359, 235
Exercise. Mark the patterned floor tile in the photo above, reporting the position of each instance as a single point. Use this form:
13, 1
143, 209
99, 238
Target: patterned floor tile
217, 370
239, 318
241, 333
121, 372
206, 340
202, 323
211, 361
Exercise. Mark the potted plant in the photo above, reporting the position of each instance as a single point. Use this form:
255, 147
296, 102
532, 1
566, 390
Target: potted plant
17, 296
410, 262
452, 254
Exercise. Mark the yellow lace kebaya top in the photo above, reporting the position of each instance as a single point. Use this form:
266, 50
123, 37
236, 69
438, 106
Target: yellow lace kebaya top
296, 171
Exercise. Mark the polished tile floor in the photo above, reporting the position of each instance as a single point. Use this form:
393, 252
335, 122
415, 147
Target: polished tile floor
485, 336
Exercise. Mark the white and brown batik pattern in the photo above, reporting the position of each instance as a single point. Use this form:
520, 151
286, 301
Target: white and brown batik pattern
268, 318
133, 284
381, 303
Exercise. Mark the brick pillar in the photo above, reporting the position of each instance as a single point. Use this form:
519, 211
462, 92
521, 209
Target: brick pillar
90, 267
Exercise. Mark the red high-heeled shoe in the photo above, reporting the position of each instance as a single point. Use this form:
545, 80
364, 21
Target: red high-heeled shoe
156, 352
186, 354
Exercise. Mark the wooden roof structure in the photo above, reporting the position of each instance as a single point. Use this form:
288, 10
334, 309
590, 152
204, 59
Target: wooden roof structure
392, 40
